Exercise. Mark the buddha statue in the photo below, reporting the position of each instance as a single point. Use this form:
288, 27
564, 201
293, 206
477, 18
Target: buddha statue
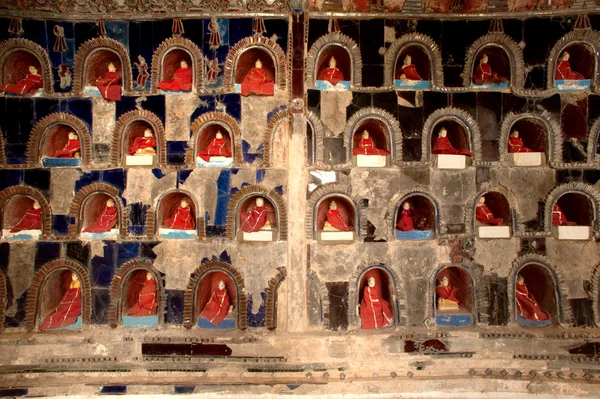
110, 84
30, 83
527, 306
256, 219
182, 219
447, 299
145, 145
68, 309
442, 145
331, 74
181, 80
146, 304
484, 215
515, 143
334, 220
217, 147
256, 81
32, 220
409, 70
564, 71
218, 306
406, 222
106, 221
483, 73
366, 146
71, 149
374, 311
559, 218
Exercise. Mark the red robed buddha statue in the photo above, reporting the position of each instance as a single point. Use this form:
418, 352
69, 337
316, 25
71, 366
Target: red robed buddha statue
181, 81
107, 219
375, 312
32, 82
366, 146
559, 218
256, 219
110, 84
182, 219
442, 145
484, 215
217, 147
146, 301
32, 220
256, 81
68, 309
334, 220
515, 143
406, 222
527, 306
145, 145
409, 70
71, 149
484, 75
447, 295
331, 74
218, 305
564, 71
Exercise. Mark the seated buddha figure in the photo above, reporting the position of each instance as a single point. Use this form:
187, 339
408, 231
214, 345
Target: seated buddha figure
218, 306
256, 219
564, 71
374, 311
71, 149
145, 145
218, 147
409, 70
331, 74
559, 218
146, 304
484, 215
30, 83
442, 145
182, 218
334, 220
484, 75
527, 306
32, 220
181, 80
106, 221
515, 143
447, 299
406, 222
68, 309
366, 146
110, 84
256, 81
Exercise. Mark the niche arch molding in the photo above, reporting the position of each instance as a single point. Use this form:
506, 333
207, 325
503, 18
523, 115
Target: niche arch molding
596, 294
273, 124
219, 118
334, 39
120, 130
587, 190
272, 298
26, 191
470, 223
315, 284
321, 194
398, 199
413, 39
593, 142
394, 133
152, 224
177, 43
318, 133
10, 46
75, 213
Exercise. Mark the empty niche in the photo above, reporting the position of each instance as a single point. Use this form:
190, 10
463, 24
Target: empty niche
255, 72
491, 68
451, 144
336, 220
177, 216
575, 67
100, 215
334, 68
23, 218
371, 144
412, 68
415, 219
217, 301
493, 216
257, 219
140, 299
61, 301
24, 68
572, 216
376, 303
527, 142
535, 296
574, 125
215, 146
454, 297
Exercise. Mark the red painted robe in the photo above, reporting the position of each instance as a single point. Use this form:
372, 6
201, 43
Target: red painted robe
334, 218
448, 293
67, 311
410, 72
68, 150
563, 71
217, 307
332, 75
528, 307
182, 81
110, 86
146, 304
254, 220
375, 312
30, 221
105, 222
217, 147
442, 145
181, 220
483, 74
27, 85
141, 143
256, 82
406, 221
484, 215
559, 218
367, 147
515, 144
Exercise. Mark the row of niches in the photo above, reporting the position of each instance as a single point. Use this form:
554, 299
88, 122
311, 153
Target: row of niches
256, 214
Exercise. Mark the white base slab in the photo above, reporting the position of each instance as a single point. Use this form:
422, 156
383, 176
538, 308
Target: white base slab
573, 232
493, 231
33, 234
261, 235
527, 158
337, 235
139, 160
217, 161
446, 161
177, 233
113, 233
371, 161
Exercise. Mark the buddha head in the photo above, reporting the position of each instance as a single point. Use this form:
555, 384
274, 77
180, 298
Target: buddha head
141, 59
442, 132
219, 135
514, 133
481, 200
112, 67
520, 280
184, 203
332, 205
407, 60
74, 277
371, 282
332, 62
259, 201
445, 281
77, 155
221, 285
365, 134
483, 59
148, 133
183, 64
110, 203
36, 205
33, 70
406, 205
565, 56
149, 276
258, 64
73, 136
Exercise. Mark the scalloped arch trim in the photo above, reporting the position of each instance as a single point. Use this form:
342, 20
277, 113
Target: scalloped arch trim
414, 39
120, 134
180, 43
334, 39
11, 46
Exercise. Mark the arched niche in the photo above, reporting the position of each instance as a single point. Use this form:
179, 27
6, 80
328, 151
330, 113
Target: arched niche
420, 221
595, 294
16, 55
15, 201
379, 136
318, 205
582, 46
245, 200
272, 141
50, 135
343, 64
88, 208
167, 57
540, 285
272, 298
130, 126
242, 57
593, 142
454, 297
426, 58
127, 307
499, 62
386, 289
338, 45
315, 132
50, 284
492, 215
571, 211
92, 59
200, 288
174, 221
204, 130
341, 225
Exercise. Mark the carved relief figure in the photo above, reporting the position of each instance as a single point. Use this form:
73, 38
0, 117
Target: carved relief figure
375, 312
146, 304
182, 219
331, 74
515, 143
564, 71
106, 221
110, 84
527, 306
256, 81
72, 149
366, 146
218, 305
442, 145
32, 220
181, 81
30, 83
213, 70
559, 218
68, 309
483, 73
214, 40
484, 215
409, 70
143, 74
256, 219
65, 76
145, 145
334, 220
447, 299
217, 147
406, 222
